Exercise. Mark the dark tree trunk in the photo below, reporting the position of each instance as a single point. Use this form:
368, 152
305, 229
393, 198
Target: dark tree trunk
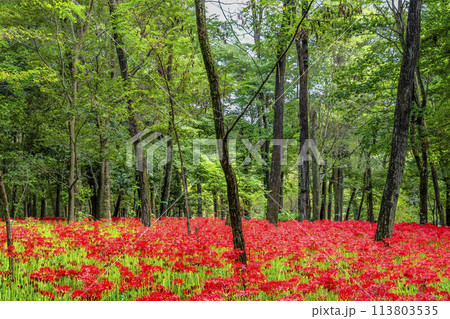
133, 127
34, 206
447, 199
330, 200
199, 200
215, 204
350, 203
341, 192
336, 193
323, 205
273, 197
281, 194
9, 240
25, 206
303, 60
230, 177
117, 206
13, 202
43, 207
165, 194
437, 194
402, 112
370, 214
104, 191
58, 201
315, 170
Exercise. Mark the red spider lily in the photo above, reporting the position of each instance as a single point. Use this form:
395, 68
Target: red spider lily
311, 260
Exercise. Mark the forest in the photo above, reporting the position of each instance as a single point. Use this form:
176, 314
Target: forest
167, 138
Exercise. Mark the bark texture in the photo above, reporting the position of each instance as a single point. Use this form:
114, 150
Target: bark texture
230, 177
385, 225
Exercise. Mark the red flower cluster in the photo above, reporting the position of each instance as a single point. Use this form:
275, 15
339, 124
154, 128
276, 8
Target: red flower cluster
322, 260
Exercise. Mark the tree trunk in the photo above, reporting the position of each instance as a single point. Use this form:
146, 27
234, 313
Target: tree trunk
34, 206
437, 194
323, 205
215, 204
117, 206
13, 202
369, 187
199, 199
341, 192
330, 199
9, 240
336, 193
104, 192
303, 60
350, 203
447, 199
402, 112
72, 180
230, 177
57, 212
273, 197
133, 127
281, 194
361, 204
165, 193
43, 207
25, 206
315, 171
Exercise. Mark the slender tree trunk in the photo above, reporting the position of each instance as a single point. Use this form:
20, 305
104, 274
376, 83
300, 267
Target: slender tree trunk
25, 205
336, 193
303, 60
361, 204
72, 180
34, 206
13, 202
369, 188
199, 200
117, 206
341, 192
330, 199
447, 199
323, 206
230, 177
437, 194
350, 203
315, 171
215, 204
402, 112
9, 240
273, 197
281, 194
104, 192
58, 200
142, 173
43, 207
165, 194
50, 195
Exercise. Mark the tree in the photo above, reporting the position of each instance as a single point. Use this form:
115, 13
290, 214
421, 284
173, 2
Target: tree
9, 240
402, 112
224, 156
142, 177
301, 42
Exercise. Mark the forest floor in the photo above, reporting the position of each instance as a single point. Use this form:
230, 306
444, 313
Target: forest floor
323, 260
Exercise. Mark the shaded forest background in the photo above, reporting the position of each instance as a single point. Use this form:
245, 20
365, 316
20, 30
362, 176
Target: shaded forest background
78, 79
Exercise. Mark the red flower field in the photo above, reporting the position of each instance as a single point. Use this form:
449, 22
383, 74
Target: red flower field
122, 260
